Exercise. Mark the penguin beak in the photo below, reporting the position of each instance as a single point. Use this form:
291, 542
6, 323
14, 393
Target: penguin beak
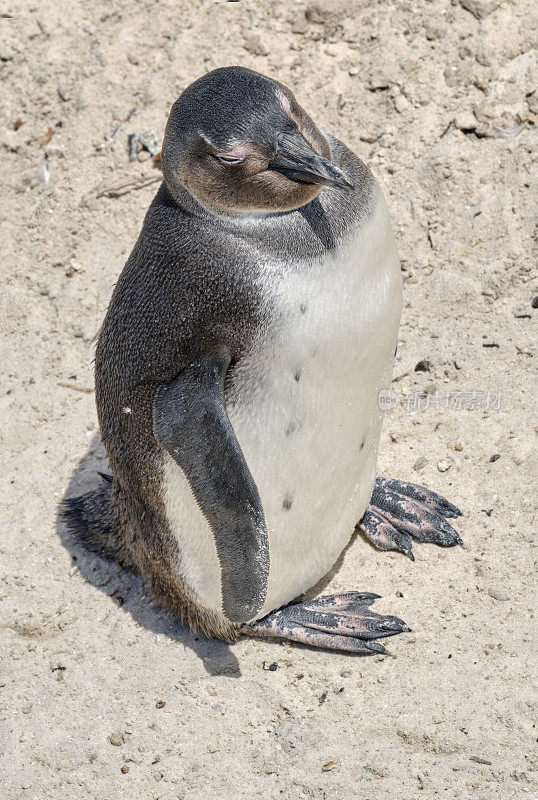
296, 160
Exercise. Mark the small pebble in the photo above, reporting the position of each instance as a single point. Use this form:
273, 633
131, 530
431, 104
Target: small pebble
299, 26
466, 121
401, 103
423, 366
480, 8
116, 739
125, 769
353, 71
458, 447
498, 594
316, 14
534, 302
444, 465
494, 457
420, 462
253, 44
160, 704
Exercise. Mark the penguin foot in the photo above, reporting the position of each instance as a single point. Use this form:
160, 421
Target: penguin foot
400, 512
334, 622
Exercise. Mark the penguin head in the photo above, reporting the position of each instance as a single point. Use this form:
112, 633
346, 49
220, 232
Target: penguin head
240, 144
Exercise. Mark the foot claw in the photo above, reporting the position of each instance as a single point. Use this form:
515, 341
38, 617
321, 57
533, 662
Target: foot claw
403, 542
375, 648
394, 624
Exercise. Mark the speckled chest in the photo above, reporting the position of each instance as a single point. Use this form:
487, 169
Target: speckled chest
304, 402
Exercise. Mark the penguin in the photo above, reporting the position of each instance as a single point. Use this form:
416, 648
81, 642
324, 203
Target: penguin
238, 372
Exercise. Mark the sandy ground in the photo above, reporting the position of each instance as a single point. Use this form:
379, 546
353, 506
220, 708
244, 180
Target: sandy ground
102, 695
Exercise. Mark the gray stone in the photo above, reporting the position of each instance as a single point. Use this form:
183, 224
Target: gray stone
480, 8
498, 593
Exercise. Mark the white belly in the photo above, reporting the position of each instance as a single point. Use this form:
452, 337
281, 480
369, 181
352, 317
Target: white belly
304, 407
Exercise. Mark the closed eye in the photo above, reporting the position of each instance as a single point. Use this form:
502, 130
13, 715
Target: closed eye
225, 159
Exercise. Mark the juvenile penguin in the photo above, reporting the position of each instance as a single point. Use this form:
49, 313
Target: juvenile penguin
238, 371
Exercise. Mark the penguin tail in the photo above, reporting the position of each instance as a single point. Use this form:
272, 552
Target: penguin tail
94, 523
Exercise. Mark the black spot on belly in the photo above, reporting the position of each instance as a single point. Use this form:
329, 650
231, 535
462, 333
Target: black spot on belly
297, 375
287, 502
291, 427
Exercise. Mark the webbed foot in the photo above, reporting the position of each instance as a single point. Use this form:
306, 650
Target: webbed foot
335, 622
400, 512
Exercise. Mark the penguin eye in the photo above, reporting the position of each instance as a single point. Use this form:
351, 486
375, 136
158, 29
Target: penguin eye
225, 158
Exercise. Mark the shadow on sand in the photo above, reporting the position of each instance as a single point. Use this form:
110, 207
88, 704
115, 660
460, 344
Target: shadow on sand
126, 588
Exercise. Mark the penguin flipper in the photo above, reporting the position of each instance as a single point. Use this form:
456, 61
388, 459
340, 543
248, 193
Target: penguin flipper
190, 422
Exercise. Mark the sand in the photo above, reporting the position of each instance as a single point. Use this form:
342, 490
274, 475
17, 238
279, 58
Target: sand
102, 695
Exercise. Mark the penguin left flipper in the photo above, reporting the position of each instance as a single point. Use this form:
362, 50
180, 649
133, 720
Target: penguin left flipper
334, 622
190, 422
400, 512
